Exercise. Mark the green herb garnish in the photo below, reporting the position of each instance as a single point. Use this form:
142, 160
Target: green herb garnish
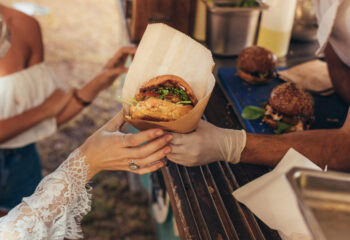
181, 93
252, 112
164, 91
281, 127
122, 100
133, 100
263, 75
185, 102
249, 3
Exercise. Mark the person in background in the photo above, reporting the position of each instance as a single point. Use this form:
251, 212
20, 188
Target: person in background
60, 201
324, 147
33, 102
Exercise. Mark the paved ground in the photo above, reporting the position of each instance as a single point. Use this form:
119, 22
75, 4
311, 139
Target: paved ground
79, 37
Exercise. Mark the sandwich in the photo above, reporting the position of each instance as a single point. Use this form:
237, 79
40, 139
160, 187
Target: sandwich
291, 106
256, 65
163, 98
290, 109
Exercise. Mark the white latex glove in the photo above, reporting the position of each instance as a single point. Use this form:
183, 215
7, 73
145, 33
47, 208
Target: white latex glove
207, 144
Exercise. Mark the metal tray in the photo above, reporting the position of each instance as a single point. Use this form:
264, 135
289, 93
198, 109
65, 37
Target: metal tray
324, 200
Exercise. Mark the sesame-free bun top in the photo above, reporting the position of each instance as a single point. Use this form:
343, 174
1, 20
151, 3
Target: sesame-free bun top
256, 59
172, 79
291, 99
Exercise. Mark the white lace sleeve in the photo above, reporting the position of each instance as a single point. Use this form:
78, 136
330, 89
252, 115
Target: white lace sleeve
55, 209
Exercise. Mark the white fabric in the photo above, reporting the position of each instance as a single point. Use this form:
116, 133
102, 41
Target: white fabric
22, 91
334, 26
271, 198
55, 209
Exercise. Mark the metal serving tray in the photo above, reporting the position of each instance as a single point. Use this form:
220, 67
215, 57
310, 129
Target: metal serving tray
324, 200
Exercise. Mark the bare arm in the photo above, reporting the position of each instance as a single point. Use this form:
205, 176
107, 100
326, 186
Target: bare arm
323, 147
36, 43
114, 67
11, 127
87, 93
339, 73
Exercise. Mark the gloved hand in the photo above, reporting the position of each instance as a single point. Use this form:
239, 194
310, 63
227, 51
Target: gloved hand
207, 144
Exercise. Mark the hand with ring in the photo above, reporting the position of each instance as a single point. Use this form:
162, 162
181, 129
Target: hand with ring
109, 149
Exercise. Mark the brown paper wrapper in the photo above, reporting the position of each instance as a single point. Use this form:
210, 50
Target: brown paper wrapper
164, 50
312, 75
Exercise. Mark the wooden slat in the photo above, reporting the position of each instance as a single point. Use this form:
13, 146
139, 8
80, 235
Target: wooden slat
187, 224
197, 212
212, 218
219, 204
243, 220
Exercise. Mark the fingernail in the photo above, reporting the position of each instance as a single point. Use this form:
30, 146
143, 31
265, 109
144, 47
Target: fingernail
168, 138
159, 133
167, 150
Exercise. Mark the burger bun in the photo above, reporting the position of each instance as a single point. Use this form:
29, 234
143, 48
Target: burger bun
155, 109
292, 100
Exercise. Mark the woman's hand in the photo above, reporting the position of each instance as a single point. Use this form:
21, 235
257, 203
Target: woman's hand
114, 67
56, 102
109, 149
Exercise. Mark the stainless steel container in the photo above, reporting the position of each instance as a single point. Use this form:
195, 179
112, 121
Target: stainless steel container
324, 201
231, 29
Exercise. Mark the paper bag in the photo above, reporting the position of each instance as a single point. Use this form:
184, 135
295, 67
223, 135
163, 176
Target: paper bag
164, 50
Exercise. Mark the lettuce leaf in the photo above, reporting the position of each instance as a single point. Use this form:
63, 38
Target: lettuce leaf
252, 112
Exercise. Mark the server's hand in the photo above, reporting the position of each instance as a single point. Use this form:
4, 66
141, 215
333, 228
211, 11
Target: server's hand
207, 144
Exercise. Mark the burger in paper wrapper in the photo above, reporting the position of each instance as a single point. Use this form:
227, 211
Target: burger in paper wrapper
164, 98
169, 81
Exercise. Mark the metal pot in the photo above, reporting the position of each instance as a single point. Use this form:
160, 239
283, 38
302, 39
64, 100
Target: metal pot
231, 29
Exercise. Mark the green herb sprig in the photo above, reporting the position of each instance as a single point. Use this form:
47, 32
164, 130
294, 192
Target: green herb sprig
132, 100
185, 102
253, 112
281, 127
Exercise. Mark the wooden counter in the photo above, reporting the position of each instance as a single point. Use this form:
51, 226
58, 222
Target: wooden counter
201, 197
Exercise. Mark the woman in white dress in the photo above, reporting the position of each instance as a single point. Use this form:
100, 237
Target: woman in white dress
33, 102
60, 201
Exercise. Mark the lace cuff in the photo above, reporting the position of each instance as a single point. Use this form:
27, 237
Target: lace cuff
56, 208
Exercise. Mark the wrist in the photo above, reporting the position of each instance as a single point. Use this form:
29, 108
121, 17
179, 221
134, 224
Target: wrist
233, 143
93, 170
45, 110
90, 91
81, 100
